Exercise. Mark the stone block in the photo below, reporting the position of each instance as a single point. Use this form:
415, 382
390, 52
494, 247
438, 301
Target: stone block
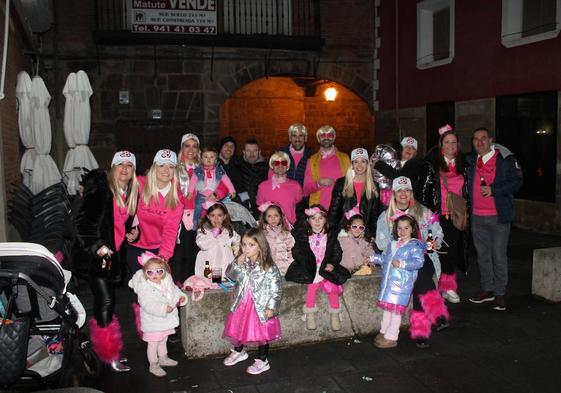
202, 323
546, 274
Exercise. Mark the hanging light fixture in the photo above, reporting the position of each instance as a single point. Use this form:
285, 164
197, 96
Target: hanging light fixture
330, 94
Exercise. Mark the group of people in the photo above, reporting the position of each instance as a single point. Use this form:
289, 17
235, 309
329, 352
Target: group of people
321, 218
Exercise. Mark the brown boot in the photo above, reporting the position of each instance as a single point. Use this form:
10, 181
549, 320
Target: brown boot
384, 343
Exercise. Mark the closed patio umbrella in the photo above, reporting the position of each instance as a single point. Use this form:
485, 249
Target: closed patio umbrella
45, 172
23, 95
77, 122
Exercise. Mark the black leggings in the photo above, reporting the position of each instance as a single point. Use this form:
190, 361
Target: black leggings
262, 351
424, 283
182, 263
103, 300
453, 256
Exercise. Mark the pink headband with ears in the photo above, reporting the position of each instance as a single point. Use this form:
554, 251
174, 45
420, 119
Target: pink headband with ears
445, 128
353, 212
265, 205
146, 256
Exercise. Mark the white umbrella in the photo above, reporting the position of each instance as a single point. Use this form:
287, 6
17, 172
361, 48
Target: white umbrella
77, 121
45, 172
23, 93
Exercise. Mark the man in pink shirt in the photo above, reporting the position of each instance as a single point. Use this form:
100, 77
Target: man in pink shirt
494, 177
324, 167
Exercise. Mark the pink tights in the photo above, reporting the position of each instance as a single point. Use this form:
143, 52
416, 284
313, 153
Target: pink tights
157, 349
390, 325
333, 296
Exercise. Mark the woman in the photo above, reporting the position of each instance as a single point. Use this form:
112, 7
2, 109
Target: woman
445, 172
183, 262
159, 210
355, 191
103, 222
279, 188
428, 306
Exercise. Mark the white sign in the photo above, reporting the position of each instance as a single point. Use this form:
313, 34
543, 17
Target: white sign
173, 16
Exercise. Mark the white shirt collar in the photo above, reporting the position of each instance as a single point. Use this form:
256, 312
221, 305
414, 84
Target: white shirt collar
164, 191
448, 161
488, 156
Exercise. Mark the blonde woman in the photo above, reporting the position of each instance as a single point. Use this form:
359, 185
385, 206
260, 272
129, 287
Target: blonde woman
159, 211
103, 222
355, 194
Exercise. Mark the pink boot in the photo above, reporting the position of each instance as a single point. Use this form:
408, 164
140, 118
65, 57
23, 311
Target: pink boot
107, 343
420, 328
434, 307
448, 286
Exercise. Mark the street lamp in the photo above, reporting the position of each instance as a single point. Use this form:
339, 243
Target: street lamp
330, 94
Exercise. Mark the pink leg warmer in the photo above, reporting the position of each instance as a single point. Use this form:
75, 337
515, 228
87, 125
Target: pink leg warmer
152, 351
447, 282
420, 325
433, 305
392, 333
136, 310
106, 341
386, 318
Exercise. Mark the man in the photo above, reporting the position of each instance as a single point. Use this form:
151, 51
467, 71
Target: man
231, 164
324, 167
254, 170
298, 152
494, 177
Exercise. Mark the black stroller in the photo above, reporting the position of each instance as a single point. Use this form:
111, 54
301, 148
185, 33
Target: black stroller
39, 320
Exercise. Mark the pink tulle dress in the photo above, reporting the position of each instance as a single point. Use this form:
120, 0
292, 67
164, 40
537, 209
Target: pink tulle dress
243, 327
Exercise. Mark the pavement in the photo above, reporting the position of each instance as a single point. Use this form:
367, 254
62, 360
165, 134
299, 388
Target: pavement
482, 351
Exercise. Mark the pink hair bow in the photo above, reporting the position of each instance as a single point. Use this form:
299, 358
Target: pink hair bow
146, 256
445, 128
353, 212
312, 211
397, 214
265, 205
433, 218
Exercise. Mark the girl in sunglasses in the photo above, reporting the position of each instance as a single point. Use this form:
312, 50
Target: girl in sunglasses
355, 243
159, 298
279, 187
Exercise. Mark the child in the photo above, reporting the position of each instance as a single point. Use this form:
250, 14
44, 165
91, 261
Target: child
217, 240
400, 263
354, 240
317, 262
158, 297
210, 182
253, 317
276, 228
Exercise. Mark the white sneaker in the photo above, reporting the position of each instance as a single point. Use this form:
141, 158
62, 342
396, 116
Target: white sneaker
235, 357
451, 296
258, 367
164, 361
157, 370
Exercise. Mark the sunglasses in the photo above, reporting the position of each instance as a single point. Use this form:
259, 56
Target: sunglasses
154, 272
280, 163
327, 135
358, 227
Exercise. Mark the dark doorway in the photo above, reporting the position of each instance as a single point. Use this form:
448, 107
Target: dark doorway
527, 125
438, 114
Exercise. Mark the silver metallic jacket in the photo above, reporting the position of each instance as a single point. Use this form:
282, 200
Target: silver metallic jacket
266, 287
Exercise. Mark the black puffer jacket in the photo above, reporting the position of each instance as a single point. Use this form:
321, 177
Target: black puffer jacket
369, 209
94, 226
252, 175
303, 269
428, 187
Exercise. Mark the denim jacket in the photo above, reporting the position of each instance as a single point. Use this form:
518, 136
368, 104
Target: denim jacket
265, 286
397, 282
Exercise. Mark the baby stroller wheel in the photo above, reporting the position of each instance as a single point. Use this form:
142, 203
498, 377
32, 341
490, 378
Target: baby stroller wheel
92, 363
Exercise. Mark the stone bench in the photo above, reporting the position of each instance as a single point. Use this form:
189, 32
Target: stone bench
546, 274
202, 322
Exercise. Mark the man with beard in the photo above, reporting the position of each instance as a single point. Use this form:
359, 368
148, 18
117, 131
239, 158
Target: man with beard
254, 170
324, 167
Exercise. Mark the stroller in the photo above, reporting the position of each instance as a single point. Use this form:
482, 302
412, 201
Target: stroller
39, 320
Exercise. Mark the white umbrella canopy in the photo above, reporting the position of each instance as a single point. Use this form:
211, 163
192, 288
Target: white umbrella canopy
23, 95
77, 122
45, 172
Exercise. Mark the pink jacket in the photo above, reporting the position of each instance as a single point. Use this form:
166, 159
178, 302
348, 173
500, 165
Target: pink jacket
354, 252
281, 243
158, 224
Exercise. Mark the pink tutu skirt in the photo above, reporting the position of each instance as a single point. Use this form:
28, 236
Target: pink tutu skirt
243, 326
157, 336
393, 308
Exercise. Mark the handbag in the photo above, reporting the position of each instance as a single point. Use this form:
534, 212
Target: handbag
456, 207
14, 334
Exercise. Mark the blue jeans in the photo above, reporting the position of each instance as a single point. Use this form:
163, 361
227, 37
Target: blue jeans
491, 240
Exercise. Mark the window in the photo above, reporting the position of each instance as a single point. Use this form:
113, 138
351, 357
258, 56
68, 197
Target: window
435, 33
527, 125
528, 21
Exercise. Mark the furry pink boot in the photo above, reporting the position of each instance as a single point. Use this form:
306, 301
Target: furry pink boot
434, 307
447, 282
420, 326
106, 341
